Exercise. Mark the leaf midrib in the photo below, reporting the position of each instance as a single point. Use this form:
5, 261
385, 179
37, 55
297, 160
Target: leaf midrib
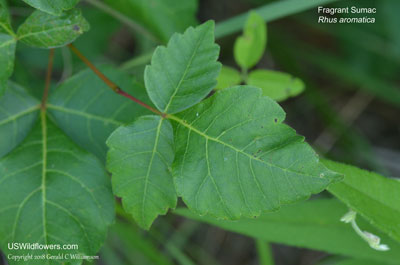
185, 72
44, 31
83, 114
150, 167
44, 167
20, 114
182, 122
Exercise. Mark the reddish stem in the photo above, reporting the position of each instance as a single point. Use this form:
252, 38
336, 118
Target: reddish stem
111, 84
48, 79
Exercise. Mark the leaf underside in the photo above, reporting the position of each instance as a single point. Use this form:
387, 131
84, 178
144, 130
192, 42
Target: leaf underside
184, 72
65, 197
234, 157
140, 159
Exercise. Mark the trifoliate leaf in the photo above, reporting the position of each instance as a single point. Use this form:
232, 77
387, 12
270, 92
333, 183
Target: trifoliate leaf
184, 72
373, 196
250, 47
87, 110
140, 159
54, 7
18, 113
234, 157
7, 47
47, 31
228, 77
52, 192
276, 85
161, 17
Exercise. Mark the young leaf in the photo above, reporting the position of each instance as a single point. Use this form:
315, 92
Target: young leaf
87, 110
314, 224
184, 72
52, 192
250, 47
7, 47
140, 158
234, 157
162, 17
53, 7
276, 85
228, 77
47, 31
373, 196
18, 113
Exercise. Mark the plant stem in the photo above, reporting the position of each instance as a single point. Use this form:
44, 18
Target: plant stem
264, 252
111, 84
124, 19
48, 79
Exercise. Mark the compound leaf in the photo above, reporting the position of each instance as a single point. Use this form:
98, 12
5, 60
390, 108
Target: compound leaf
47, 31
52, 192
161, 17
276, 85
140, 159
18, 113
7, 47
53, 7
228, 77
87, 110
373, 196
184, 72
234, 157
313, 224
250, 47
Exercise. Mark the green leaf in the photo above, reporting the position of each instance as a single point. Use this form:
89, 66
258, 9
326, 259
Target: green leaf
47, 31
250, 47
313, 224
87, 110
53, 7
161, 17
18, 113
7, 47
234, 157
52, 192
228, 77
140, 159
373, 196
184, 72
276, 85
